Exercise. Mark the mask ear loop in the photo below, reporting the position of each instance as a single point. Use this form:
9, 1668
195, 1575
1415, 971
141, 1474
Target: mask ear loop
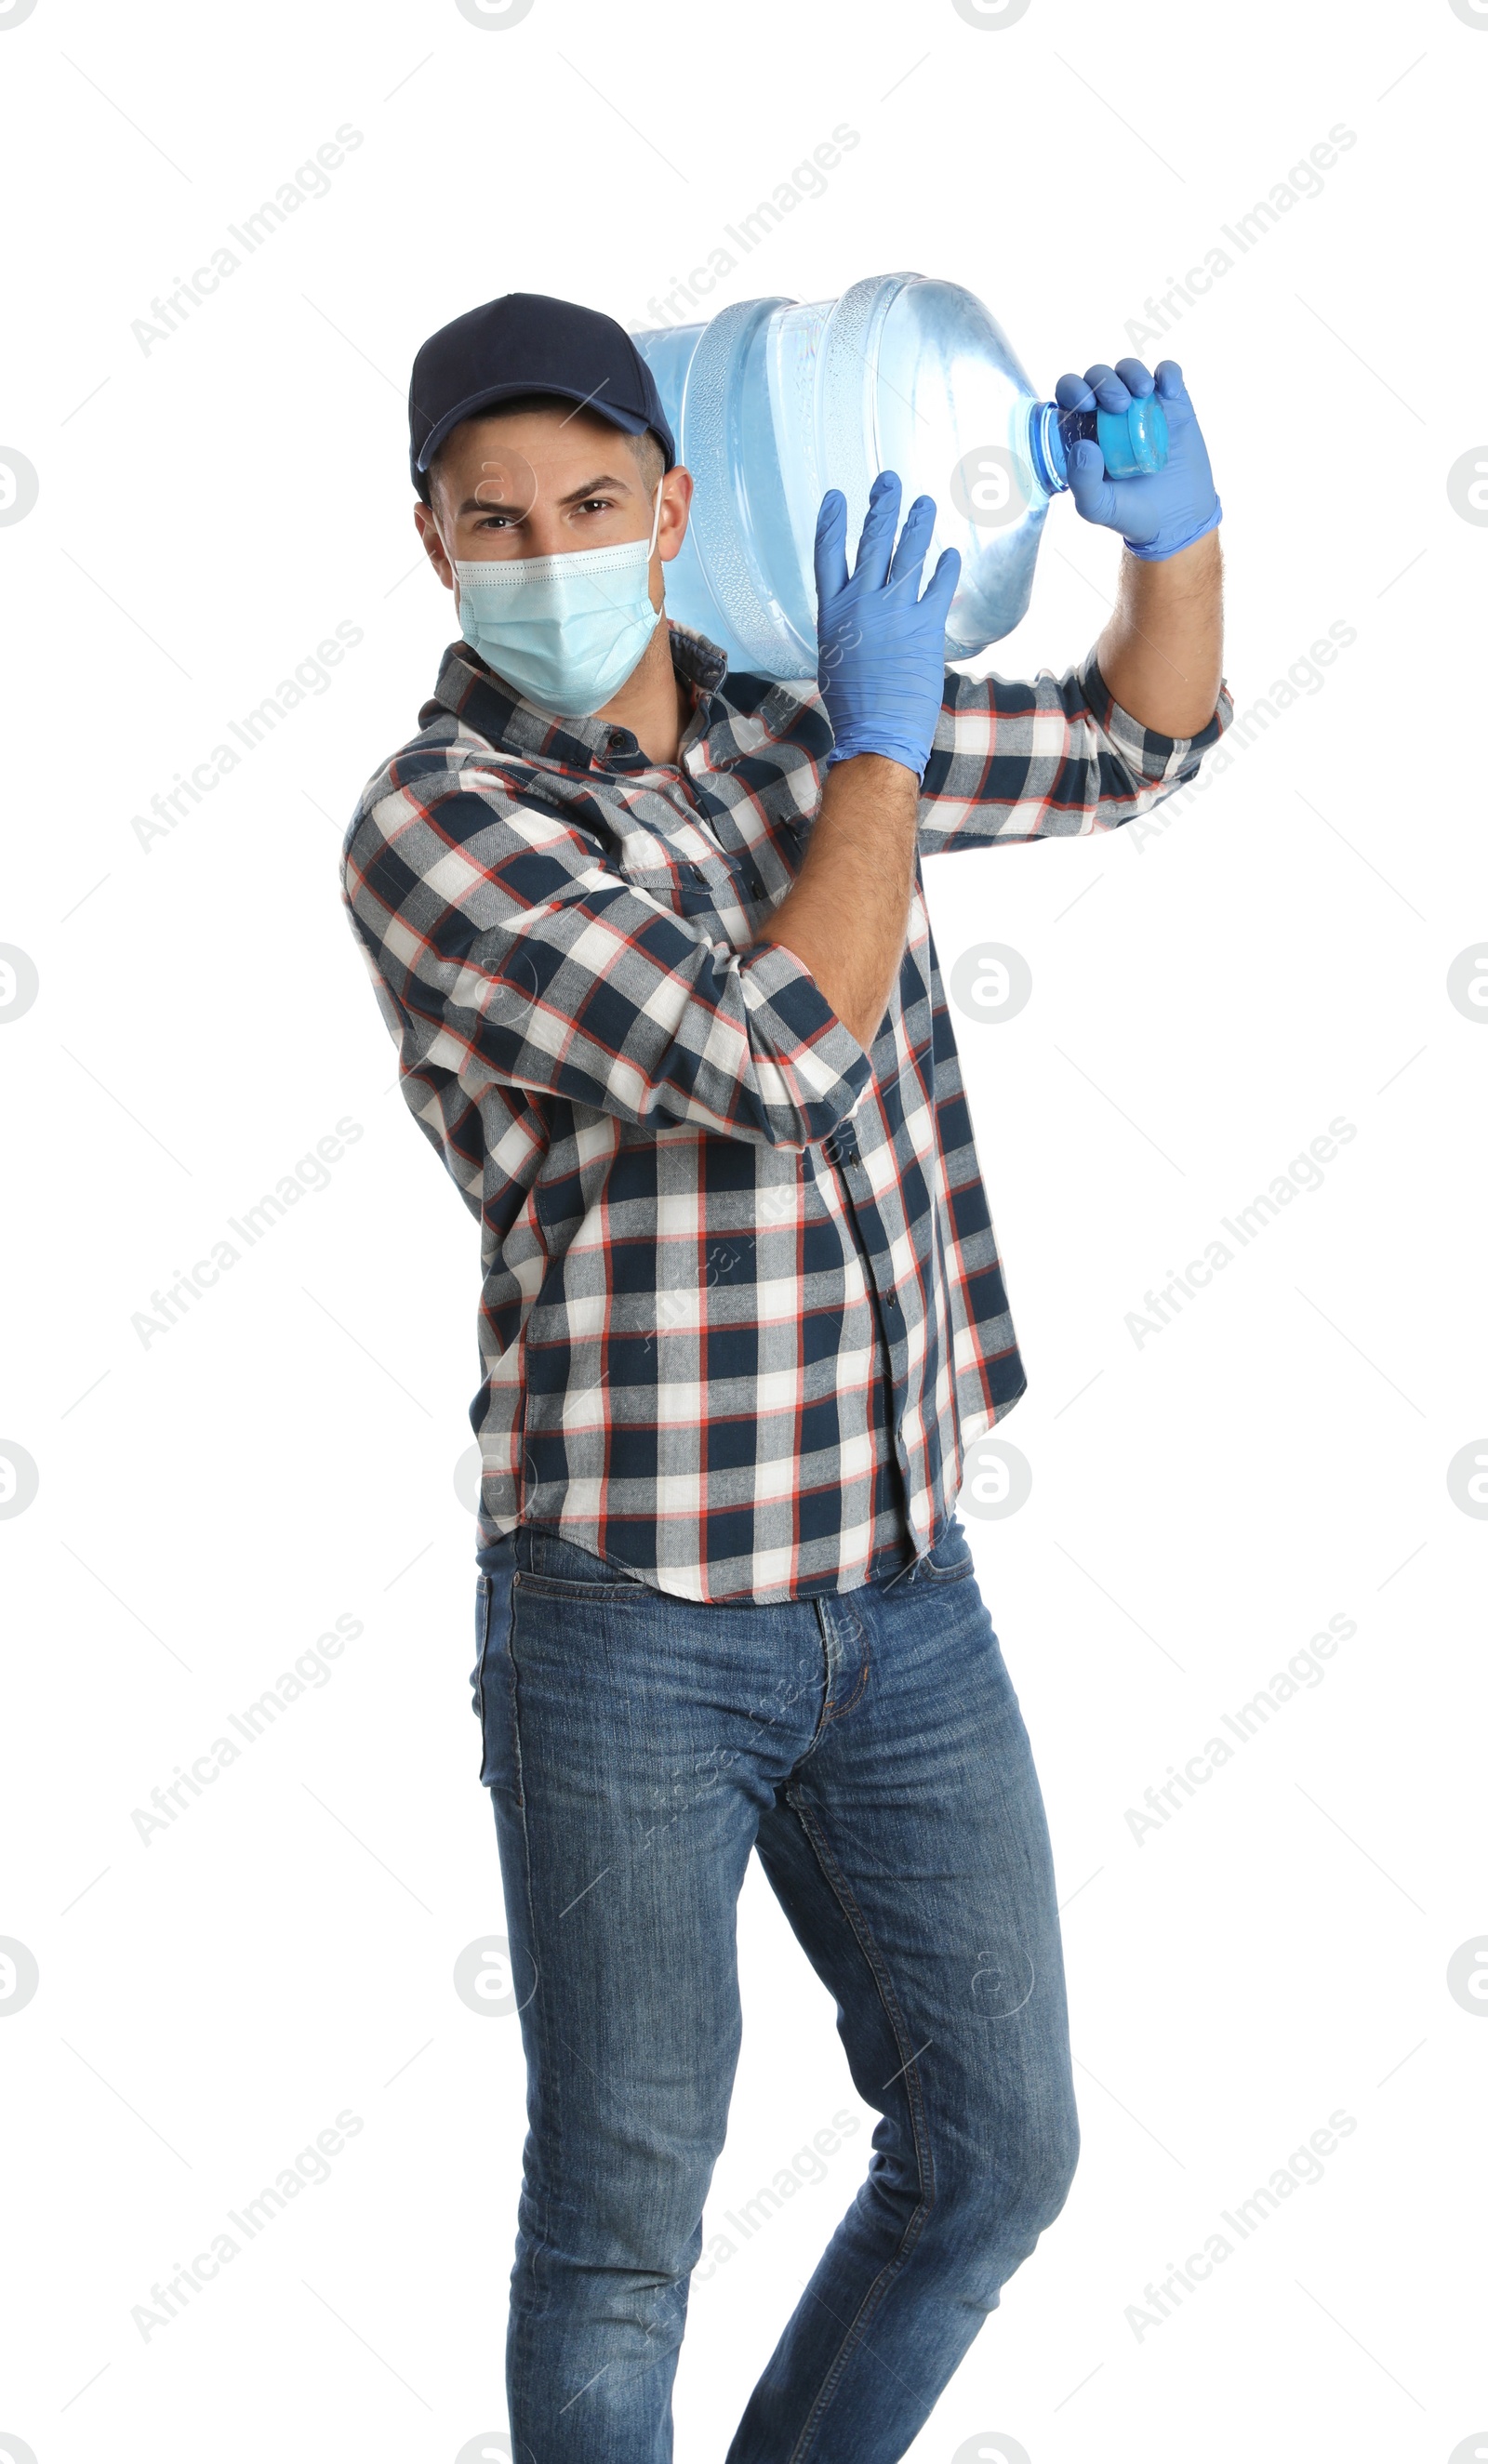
656, 522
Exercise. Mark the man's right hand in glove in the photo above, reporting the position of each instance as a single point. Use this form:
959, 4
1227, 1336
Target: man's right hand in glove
882, 651
881, 646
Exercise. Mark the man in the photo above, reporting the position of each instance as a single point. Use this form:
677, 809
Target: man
652, 942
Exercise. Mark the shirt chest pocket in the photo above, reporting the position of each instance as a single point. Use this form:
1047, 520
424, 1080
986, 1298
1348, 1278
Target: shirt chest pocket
683, 867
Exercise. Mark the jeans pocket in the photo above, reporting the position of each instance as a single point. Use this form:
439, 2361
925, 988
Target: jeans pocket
492, 1684
482, 1629
552, 1566
949, 1561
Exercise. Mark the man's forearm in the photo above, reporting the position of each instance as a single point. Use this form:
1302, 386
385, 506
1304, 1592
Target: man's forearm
846, 915
1160, 654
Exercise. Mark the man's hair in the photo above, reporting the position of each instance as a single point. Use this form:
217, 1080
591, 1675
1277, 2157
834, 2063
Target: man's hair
647, 447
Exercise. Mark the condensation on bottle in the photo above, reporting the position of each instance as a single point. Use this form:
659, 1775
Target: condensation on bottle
774, 401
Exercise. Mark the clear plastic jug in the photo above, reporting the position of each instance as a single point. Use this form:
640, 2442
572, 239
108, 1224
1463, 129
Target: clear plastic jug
774, 401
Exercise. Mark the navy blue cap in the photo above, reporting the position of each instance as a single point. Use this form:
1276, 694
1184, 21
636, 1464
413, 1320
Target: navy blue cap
525, 344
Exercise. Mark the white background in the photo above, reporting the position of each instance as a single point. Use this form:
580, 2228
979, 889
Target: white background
1202, 1503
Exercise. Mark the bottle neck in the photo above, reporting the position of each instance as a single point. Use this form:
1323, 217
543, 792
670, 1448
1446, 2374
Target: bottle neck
1046, 448
1132, 442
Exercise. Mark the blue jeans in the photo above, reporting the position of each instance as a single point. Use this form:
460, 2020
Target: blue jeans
871, 1747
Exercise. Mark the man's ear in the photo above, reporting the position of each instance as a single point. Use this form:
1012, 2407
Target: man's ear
677, 495
434, 545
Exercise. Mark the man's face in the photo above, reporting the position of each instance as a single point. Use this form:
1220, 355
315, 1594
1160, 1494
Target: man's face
543, 482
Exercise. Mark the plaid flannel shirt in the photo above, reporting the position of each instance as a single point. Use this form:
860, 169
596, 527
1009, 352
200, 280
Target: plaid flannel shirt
742, 1310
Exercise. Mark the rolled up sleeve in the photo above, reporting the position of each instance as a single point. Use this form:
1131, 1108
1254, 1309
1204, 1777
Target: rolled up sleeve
1053, 757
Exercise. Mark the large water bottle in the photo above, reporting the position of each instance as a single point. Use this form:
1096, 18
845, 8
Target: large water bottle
773, 401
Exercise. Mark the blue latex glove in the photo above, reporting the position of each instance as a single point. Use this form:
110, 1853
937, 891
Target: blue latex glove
1163, 509
881, 649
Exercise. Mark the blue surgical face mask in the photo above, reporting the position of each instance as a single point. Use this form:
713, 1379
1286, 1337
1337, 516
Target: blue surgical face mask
565, 630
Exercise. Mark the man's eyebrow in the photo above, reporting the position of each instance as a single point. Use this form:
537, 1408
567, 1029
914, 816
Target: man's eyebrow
478, 504
592, 487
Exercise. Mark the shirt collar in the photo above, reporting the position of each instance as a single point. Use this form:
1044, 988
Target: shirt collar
512, 724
